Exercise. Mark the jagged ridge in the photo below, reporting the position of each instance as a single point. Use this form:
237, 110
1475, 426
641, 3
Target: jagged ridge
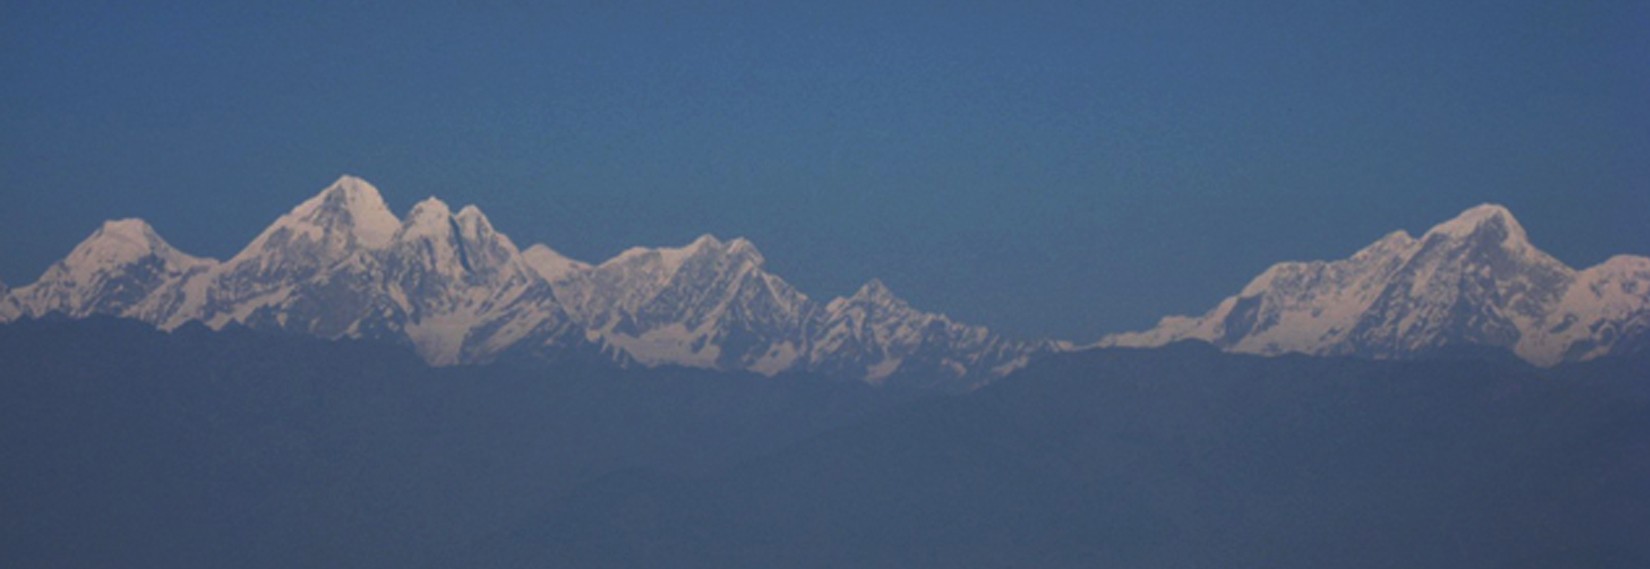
1474, 280
341, 265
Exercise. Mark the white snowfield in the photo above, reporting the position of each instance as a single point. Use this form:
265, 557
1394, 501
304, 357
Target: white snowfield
342, 265
1473, 280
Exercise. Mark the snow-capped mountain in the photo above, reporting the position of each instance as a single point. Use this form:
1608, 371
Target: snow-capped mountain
1472, 281
467, 291
551, 265
875, 334
314, 270
342, 265
123, 269
708, 304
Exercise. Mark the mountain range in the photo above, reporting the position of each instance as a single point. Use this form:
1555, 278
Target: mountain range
1473, 281
342, 265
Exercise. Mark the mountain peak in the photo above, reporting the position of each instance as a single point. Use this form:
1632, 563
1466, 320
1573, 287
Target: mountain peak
1474, 280
113, 271
473, 221
123, 241
742, 247
874, 291
672, 258
702, 242
431, 207
430, 218
740, 244
1482, 218
130, 227
550, 264
354, 185
353, 205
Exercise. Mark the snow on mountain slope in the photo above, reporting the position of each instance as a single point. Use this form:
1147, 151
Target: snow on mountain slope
123, 269
1474, 280
463, 289
875, 334
312, 271
341, 265
551, 265
707, 304
1606, 310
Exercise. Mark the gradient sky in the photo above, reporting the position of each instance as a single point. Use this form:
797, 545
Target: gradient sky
1065, 170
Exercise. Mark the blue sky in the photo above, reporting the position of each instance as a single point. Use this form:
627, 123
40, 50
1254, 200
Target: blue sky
1059, 170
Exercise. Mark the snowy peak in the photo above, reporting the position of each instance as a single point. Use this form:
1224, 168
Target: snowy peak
1474, 280
429, 211
874, 302
471, 218
743, 249
451, 286
872, 297
738, 253
475, 228
430, 233
641, 273
126, 241
705, 304
551, 265
875, 334
707, 246
114, 272
1486, 232
353, 205
874, 292
349, 215
1493, 219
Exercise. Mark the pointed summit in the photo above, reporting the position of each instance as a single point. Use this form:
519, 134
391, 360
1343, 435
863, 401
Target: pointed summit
1474, 280
707, 248
1491, 220
874, 291
486, 248
474, 224
126, 241
431, 207
429, 219
706, 240
112, 272
738, 248
343, 219
348, 213
743, 248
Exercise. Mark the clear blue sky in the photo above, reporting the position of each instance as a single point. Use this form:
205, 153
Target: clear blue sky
1060, 170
